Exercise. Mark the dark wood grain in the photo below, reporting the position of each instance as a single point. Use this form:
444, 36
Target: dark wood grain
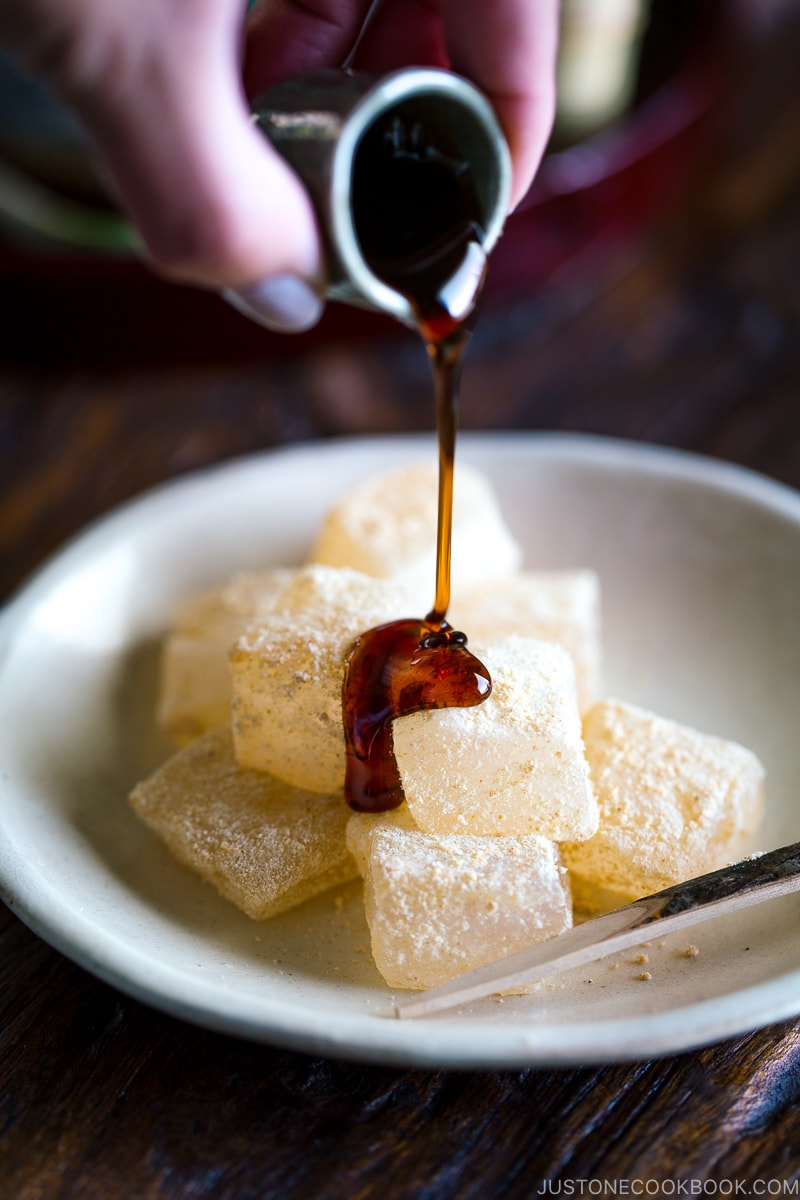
686, 336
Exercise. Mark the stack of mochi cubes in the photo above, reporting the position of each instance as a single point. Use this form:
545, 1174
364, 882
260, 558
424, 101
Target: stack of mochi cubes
541, 801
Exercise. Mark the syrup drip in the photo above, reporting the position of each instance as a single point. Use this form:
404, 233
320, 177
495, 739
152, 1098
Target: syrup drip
439, 264
396, 669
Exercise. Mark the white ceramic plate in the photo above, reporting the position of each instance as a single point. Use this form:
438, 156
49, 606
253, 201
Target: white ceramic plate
700, 566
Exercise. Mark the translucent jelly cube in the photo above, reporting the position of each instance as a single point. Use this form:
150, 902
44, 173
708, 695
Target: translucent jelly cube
552, 606
386, 526
263, 845
195, 685
512, 765
674, 803
288, 669
361, 827
440, 905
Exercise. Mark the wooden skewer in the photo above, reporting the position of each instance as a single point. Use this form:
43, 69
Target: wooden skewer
751, 881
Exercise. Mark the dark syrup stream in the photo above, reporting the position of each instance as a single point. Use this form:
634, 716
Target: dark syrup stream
438, 263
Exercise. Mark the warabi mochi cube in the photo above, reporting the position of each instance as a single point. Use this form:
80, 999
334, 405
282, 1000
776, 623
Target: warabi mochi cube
386, 526
674, 803
264, 845
552, 606
362, 825
512, 765
288, 668
438, 905
195, 685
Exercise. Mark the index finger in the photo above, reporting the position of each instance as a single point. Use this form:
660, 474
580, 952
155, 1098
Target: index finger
508, 48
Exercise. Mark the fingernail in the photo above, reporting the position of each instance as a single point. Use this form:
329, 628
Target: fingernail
283, 303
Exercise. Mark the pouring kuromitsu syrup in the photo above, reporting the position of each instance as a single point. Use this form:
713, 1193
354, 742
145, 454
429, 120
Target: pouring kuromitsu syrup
439, 264
410, 177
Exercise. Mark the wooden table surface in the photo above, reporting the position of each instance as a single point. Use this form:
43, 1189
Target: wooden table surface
686, 336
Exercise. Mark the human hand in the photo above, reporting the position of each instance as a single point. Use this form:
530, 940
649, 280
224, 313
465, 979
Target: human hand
162, 90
